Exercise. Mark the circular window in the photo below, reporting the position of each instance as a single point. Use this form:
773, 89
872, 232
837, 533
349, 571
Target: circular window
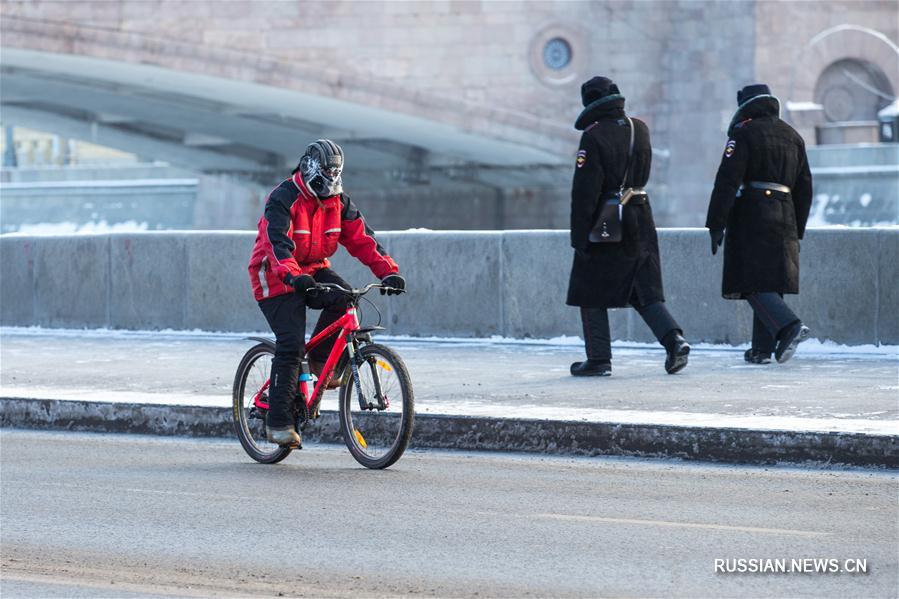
557, 53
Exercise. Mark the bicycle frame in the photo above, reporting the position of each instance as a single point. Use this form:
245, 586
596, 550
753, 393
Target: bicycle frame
342, 327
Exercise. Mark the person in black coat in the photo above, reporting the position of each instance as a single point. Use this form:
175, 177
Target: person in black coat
627, 272
759, 208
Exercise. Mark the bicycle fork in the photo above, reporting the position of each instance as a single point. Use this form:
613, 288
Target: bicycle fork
354, 364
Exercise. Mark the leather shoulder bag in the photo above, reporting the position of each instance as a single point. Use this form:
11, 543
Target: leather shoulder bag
607, 228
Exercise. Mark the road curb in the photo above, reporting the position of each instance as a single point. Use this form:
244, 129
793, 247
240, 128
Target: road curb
732, 445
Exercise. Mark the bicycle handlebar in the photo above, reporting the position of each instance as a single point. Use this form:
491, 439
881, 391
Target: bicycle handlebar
356, 292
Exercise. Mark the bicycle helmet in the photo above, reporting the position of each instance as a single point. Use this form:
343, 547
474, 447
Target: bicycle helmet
321, 166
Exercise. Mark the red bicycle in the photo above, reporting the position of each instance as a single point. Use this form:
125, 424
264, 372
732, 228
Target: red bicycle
376, 406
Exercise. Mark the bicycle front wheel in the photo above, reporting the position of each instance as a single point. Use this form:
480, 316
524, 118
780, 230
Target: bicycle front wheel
377, 409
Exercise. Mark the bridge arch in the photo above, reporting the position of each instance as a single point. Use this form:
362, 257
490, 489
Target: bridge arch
258, 109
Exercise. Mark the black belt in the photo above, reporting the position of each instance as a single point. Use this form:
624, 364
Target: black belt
769, 186
640, 196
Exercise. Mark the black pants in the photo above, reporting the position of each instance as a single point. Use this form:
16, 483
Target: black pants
770, 316
286, 315
598, 339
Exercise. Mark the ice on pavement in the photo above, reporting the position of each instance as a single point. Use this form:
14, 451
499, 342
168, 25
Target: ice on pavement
826, 387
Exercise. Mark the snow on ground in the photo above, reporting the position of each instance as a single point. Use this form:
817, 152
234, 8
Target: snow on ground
809, 348
854, 389
523, 411
89, 228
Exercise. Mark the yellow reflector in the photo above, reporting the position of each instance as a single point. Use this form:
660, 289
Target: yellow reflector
360, 439
385, 365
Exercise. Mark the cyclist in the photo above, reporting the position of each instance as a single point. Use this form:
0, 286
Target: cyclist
305, 218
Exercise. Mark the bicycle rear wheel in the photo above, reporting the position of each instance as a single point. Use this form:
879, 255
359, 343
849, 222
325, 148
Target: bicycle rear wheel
377, 432
249, 420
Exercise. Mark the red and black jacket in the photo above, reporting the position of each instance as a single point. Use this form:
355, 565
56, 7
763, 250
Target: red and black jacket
298, 232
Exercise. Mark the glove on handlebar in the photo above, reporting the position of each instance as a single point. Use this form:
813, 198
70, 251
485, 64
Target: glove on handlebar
301, 283
397, 282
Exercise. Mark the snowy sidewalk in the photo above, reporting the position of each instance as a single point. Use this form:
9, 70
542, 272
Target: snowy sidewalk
824, 388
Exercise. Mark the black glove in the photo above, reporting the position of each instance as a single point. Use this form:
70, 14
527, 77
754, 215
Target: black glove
397, 282
301, 283
717, 239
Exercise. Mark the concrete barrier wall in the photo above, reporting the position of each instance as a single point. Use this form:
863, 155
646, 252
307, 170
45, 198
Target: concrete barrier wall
462, 284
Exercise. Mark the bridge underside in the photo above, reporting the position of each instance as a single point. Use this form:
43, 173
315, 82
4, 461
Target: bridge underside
217, 125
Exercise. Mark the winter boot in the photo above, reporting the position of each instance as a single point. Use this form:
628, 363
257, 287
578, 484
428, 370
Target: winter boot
592, 368
789, 340
678, 351
285, 436
757, 356
280, 427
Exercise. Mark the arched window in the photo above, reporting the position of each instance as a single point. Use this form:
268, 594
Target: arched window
851, 92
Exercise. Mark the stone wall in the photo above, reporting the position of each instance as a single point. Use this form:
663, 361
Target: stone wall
461, 284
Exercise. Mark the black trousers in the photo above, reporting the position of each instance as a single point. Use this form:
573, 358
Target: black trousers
598, 339
286, 315
770, 316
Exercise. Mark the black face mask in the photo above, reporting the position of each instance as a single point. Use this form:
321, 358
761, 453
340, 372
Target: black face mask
324, 186
322, 165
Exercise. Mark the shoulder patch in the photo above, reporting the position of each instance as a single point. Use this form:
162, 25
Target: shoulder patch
581, 158
729, 148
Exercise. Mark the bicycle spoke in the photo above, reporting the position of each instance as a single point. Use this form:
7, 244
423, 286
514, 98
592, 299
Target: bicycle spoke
378, 435
251, 430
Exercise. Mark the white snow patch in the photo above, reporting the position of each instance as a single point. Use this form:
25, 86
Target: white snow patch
539, 412
871, 169
803, 106
811, 347
672, 418
112, 183
89, 228
890, 110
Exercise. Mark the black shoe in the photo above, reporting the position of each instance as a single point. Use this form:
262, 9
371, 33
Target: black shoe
678, 351
757, 356
787, 345
592, 368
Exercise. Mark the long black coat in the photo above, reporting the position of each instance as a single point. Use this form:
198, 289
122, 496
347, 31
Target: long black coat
761, 244
612, 275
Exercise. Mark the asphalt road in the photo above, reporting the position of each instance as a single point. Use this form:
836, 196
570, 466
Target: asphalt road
122, 516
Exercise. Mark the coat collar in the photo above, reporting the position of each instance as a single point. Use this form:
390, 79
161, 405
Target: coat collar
301, 185
757, 106
307, 193
612, 105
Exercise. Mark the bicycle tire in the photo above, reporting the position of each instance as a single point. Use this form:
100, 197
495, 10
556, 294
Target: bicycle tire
240, 411
406, 417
